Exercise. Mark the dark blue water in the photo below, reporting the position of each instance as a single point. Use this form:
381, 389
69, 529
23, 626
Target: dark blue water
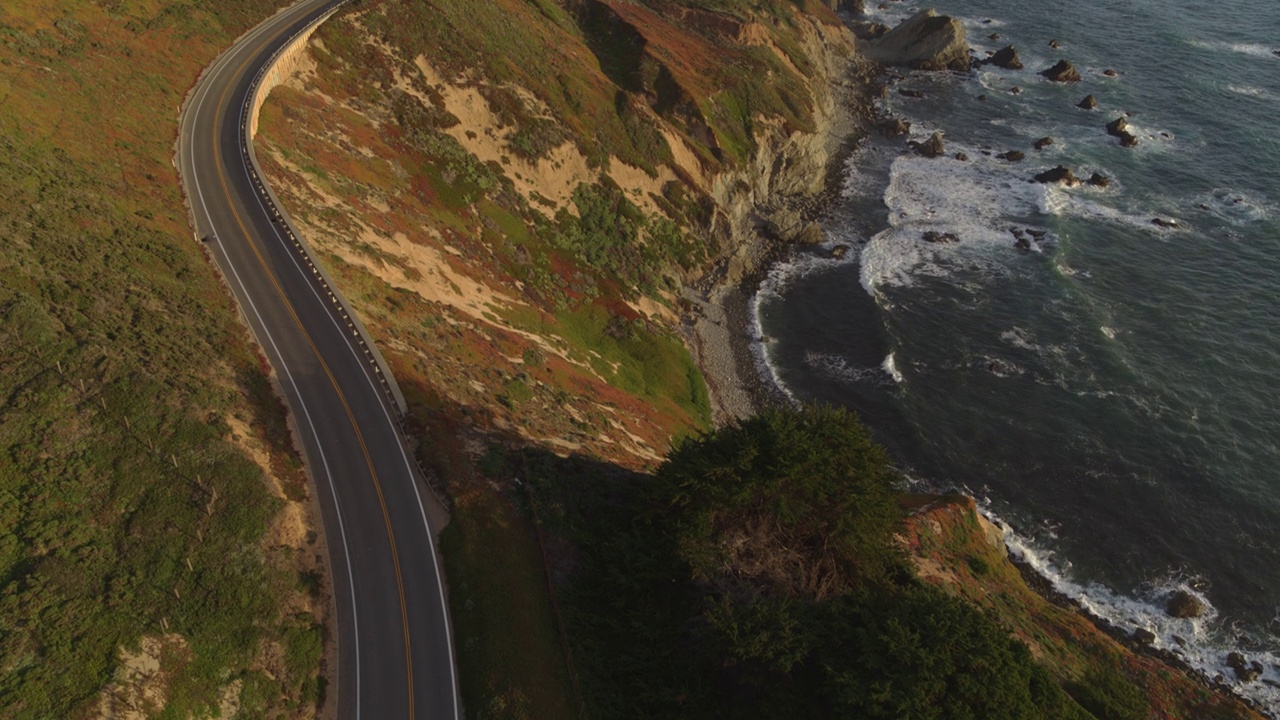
1113, 391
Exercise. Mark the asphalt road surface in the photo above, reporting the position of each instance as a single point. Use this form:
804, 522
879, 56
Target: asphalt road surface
395, 654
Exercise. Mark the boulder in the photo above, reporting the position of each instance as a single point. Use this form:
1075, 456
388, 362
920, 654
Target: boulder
982, 98
1013, 156
1119, 128
1183, 604
1060, 174
1161, 222
924, 41
1006, 58
894, 127
936, 237
1062, 72
1143, 636
906, 92
993, 36
1055, 44
1043, 142
1015, 90
1110, 73
839, 251
932, 147
1088, 103
1099, 180
962, 157
1023, 244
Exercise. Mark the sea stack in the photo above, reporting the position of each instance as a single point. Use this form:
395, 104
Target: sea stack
924, 41
1064, 72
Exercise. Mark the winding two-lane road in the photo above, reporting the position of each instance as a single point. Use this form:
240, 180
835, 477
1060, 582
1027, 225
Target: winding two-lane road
395, 655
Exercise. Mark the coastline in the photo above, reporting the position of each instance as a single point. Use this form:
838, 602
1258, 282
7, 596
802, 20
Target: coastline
718, 329
720, 337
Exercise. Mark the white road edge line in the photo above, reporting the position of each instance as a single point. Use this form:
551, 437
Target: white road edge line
204, 93
382, 403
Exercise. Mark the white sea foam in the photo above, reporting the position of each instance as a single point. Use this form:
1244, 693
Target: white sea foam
969, 200
1251, 49
1205, 641
1251, 91
836, 367
1235, 207
890, 367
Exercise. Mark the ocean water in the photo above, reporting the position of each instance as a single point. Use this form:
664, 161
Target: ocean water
1112, 392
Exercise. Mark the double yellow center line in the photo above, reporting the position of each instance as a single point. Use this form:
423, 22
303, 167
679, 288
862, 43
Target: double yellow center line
222, 177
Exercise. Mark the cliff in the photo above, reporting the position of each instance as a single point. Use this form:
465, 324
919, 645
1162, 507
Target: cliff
542, 210
553, 181
954, 547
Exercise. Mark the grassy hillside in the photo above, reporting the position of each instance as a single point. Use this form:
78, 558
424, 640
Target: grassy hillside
156, 555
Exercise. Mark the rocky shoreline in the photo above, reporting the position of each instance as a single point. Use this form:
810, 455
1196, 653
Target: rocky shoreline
719, 325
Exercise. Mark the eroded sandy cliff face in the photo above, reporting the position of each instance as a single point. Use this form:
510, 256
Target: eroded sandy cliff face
522, 224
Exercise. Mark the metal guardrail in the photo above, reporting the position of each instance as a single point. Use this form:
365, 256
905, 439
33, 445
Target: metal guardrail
269, 200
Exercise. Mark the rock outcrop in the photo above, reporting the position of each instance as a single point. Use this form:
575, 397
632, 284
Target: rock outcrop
932, 147
1062, 72
924, 41
1088, 103
1183, 604
1006, 58
1120, 128
1060, 174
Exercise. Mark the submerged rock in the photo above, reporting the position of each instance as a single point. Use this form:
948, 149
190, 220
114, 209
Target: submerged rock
934, 236
962, 157
906, 92
1015, 90
1110, 73
1183, 604
924, 41
1062, 72
1161, 222
1060, 174
1088, 103
1006, 58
